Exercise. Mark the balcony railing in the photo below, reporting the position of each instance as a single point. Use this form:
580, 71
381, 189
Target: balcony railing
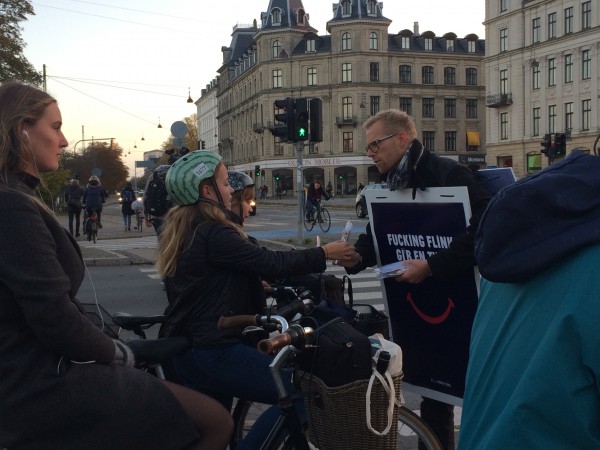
496, 100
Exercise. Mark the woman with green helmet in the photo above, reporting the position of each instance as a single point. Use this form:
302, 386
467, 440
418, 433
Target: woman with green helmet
213, 269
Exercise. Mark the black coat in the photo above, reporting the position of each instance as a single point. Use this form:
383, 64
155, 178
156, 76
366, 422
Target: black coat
94, 196
47, 401
219, 273
73, 197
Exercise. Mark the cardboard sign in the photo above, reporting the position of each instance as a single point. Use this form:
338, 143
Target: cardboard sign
432, 320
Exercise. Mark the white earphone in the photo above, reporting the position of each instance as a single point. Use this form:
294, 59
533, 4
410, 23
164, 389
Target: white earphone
26, 133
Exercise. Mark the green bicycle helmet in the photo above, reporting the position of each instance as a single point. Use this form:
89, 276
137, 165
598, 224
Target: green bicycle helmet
186, 174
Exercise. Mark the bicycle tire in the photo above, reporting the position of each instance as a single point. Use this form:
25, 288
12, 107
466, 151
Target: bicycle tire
411, 430
94, 236
324, 220
308, 224
139, 222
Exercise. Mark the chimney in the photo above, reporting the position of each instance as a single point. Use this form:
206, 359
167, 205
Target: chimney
416, 28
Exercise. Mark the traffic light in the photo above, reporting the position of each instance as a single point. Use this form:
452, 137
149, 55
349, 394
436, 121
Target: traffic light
284, 114
257, 170
340, 176
546, 144
316, 120
203, 145
301, 120
276, 177
560, 145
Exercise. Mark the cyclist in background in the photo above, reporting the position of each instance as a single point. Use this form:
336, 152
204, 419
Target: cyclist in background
313, 199
64, 384
214, 269
94, 197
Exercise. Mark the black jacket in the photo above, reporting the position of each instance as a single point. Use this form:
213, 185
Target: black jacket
219, 273
436, 171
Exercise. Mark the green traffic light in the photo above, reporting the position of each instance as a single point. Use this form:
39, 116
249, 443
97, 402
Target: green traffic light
302, 132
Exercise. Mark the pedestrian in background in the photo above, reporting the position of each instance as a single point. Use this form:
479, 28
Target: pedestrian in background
533, 379
94, 197
73, 196
127, 198
402, 159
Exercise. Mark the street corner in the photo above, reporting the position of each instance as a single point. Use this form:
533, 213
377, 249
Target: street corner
99, 257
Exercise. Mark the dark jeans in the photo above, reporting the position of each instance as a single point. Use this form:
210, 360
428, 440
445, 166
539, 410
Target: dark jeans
74, 214
440, 418
240, 371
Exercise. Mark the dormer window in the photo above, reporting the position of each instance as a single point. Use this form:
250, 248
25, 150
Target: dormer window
301, 17
371, 7
428, 44
311, 46
346, 7
276, 16
450, 45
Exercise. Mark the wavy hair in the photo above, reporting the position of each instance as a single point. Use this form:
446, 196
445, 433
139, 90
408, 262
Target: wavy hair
174, 235
20, 104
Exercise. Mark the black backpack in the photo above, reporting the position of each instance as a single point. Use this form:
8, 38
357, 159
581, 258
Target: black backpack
156, 198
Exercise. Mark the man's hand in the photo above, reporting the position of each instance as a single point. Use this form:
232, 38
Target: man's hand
417, 270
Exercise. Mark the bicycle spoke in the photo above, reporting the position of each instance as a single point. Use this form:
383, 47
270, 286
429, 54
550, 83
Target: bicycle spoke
325, 220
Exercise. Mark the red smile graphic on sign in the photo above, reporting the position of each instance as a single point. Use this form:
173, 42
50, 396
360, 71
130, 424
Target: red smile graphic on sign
432, 320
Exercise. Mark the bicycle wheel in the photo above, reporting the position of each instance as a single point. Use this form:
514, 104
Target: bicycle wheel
309, 224
244, 415
412, 430
139, 222
324, 220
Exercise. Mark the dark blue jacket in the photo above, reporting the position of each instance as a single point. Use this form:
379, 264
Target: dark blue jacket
94, 195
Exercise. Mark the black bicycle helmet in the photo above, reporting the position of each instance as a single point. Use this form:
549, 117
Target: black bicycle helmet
239, 180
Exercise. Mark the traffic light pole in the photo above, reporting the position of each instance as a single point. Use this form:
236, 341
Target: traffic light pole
300, 190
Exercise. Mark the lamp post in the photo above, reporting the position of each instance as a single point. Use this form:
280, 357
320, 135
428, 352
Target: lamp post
86, 140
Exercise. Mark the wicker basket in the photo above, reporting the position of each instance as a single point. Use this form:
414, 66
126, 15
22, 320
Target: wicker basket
337, 416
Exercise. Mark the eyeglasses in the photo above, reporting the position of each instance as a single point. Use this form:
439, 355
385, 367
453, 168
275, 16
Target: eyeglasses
374, 146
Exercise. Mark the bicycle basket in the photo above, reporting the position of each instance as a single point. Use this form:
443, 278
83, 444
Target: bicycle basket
102, 319
369, 320
337, 415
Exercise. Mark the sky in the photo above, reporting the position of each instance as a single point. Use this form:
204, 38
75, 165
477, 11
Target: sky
119, 68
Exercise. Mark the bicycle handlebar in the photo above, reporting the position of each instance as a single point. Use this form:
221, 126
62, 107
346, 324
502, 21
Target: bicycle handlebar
247, 320
295, 335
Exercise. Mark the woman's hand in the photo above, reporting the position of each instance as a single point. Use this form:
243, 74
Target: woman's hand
341, 251
417, 270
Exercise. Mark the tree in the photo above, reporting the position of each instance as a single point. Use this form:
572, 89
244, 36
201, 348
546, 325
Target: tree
13, 64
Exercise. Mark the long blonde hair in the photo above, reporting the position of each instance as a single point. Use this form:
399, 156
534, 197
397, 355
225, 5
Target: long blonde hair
174, 234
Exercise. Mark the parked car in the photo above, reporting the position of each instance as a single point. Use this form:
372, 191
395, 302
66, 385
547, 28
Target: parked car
361, 203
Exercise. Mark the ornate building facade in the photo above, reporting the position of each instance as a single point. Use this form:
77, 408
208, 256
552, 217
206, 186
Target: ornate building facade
358, 68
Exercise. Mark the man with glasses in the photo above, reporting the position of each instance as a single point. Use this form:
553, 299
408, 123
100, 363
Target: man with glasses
404, 163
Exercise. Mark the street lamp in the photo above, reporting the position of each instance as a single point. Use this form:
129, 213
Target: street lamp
86, 140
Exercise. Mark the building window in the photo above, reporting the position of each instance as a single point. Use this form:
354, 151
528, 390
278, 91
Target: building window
347, 108
278, 148
471, 76
471, 108
504, 39
450, 108
536, 121
373, 72
534, 162
373, 41
405, 42
504, 81
551, 25
503, 126
568, 68
406, 105
450, 44
450, 141
586, 65
551, 118
311, 46
428, 107
347, 73
346, 7
276, 16
551, 72
535, 30
277, 78
405, 74
568, 116
429, 140
374, 103
427, 74
586, 112
276, 49
348, 141
569, 20
346, 42
449, 75
311, 76
535, 77
428, 44
471, 46
586, 15
503, 5
504, 161
371, 6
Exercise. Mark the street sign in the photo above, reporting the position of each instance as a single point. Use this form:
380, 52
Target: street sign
179, 129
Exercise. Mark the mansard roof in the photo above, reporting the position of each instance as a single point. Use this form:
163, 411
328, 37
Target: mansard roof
285, 14
357, 10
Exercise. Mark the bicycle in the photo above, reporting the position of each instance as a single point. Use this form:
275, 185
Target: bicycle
140, 219
90, 225
323, 218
